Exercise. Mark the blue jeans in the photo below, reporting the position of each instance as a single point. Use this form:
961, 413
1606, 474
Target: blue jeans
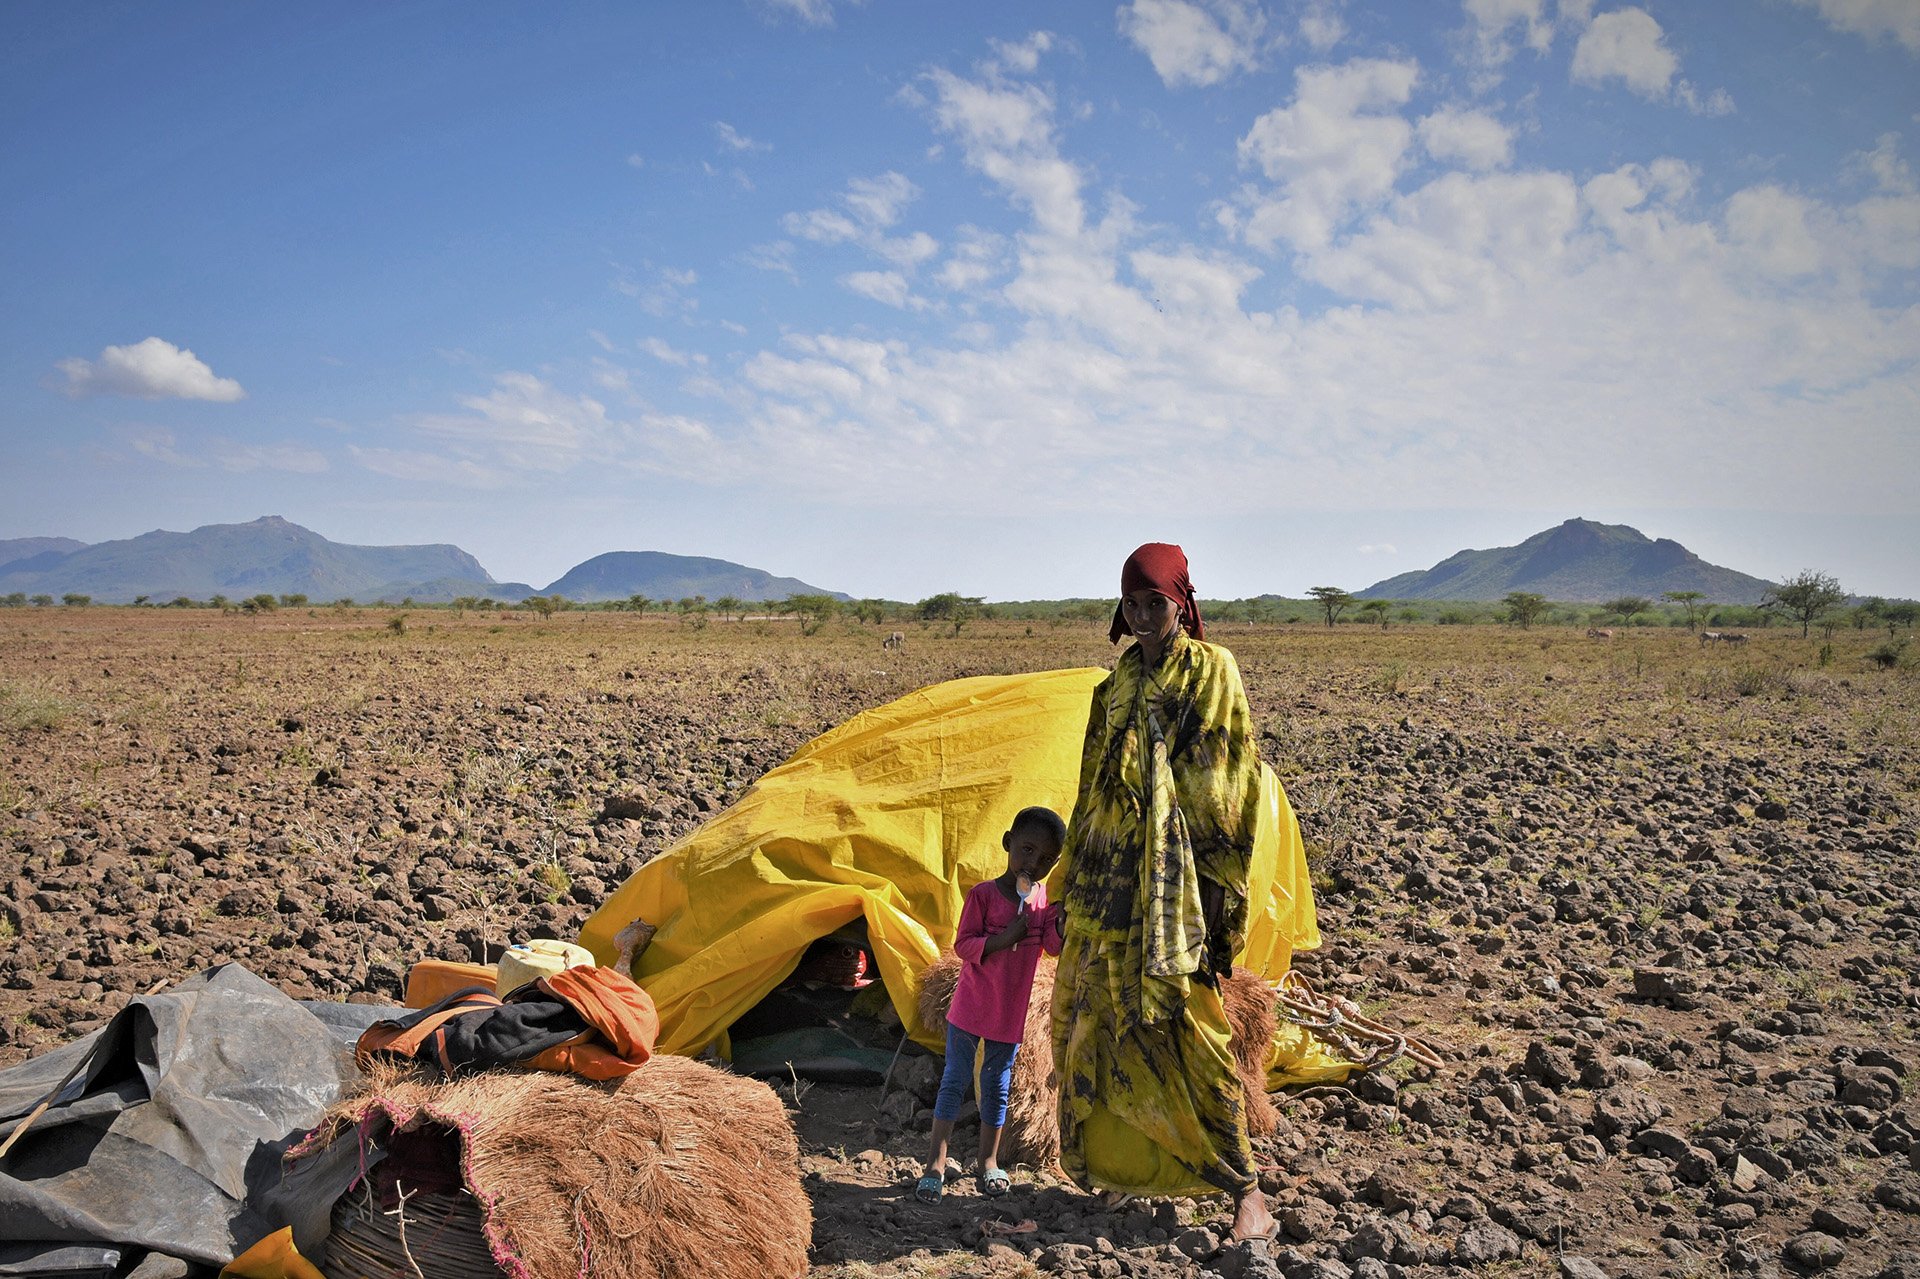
996, 1074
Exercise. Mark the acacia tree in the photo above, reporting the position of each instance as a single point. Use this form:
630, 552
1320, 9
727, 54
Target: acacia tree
1333, 601
1695, 602
1376, 611
1627, 605
1806, 597
1524, 607
730, 604
949, 606
638, 604
814, 610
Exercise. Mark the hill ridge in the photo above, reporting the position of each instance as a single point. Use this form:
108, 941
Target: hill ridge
1580, 561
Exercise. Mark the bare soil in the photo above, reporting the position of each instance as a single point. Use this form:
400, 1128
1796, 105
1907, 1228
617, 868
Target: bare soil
1658, 903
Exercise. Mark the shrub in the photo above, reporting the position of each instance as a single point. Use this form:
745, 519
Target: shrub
1888, 655
397, 624
26, 707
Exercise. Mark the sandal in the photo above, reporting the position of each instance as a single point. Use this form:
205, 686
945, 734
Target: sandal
930, 1188
995, 1182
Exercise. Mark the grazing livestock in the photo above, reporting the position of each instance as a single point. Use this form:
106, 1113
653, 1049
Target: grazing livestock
1728, 637
1708, 637
895, 640
1595, 632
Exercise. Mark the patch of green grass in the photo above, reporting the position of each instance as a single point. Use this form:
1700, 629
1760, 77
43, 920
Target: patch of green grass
33, 708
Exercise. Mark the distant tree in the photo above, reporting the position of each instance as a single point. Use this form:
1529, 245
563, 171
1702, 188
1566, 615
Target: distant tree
43, 601
1523, 608
813, 610
1805, 597
220, 602
1376, 611
1092, 610
544, 606
1260, 608
461, 603
18, 599
1333, 601
949, 606
638, 604
262, 603
1626, 606
1694, 602
293, 601
1901, 614
729, 605
73, 599
868, 610
1409, 614
181, 601
141, 601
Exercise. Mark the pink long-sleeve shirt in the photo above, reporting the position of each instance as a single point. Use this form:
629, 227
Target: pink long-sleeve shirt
991, 998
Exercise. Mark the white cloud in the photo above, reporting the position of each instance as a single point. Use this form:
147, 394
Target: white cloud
668, 354
734, 140
1006, 133
977, 257
635, 160
812, 13
1022, 57
295, 458
879, 201
889, 287
1492, 22
1321, 26
1336, 146
662, 291
419, 466
527, 424
1378, 548
1897, 19
151, 369
1192, 43
1884, 165
1473, 138
1627, 45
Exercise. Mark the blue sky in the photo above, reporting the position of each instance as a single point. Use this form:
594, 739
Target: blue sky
900, 298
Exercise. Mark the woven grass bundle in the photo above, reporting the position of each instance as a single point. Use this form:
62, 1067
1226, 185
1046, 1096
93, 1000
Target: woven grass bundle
1033, 1099
677, 1169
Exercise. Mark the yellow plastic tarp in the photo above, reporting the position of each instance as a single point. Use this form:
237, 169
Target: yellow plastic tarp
893, 816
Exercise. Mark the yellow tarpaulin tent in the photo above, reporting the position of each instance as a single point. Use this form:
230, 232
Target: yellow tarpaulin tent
892, 816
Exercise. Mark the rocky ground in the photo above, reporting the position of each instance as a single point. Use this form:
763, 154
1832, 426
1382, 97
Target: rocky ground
1658, 905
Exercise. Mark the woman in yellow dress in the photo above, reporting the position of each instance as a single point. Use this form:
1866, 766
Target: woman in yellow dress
1156, 866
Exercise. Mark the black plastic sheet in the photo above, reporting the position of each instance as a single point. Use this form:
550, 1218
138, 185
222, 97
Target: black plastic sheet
169, 1138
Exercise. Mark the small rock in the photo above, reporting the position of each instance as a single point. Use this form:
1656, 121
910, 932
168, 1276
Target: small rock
1900, 1192
1745, 1175
1843, 1221
1814, 1251
1484, 1242
1572, 1267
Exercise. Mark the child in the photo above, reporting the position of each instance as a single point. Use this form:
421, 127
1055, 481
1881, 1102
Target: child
1004, 926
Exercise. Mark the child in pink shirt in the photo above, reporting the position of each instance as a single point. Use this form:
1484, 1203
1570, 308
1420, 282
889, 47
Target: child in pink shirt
1004, 926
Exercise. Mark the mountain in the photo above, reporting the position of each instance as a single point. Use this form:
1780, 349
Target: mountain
1581, 562
657, 575
31, 554
269, 555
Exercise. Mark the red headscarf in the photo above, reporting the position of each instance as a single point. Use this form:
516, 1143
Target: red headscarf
1160, 567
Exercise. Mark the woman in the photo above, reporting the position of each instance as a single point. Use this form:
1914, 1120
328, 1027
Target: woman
1156, 907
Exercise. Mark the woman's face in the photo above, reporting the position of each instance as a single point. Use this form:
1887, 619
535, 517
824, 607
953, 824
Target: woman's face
1151, 616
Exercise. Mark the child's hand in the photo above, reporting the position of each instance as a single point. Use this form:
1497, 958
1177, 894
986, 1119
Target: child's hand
1015, 932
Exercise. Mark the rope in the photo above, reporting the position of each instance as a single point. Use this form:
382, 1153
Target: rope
1338, 1022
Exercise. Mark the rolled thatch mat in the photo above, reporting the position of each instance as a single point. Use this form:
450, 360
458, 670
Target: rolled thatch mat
1250, 1004
1033, 1119
676, 1169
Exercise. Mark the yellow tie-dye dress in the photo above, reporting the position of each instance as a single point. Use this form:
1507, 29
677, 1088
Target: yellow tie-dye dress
1150, 1103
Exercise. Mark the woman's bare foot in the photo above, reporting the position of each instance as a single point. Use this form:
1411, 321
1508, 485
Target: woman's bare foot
1251, 1220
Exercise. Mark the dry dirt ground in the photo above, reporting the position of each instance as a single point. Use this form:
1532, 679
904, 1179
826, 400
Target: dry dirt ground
1658, 904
